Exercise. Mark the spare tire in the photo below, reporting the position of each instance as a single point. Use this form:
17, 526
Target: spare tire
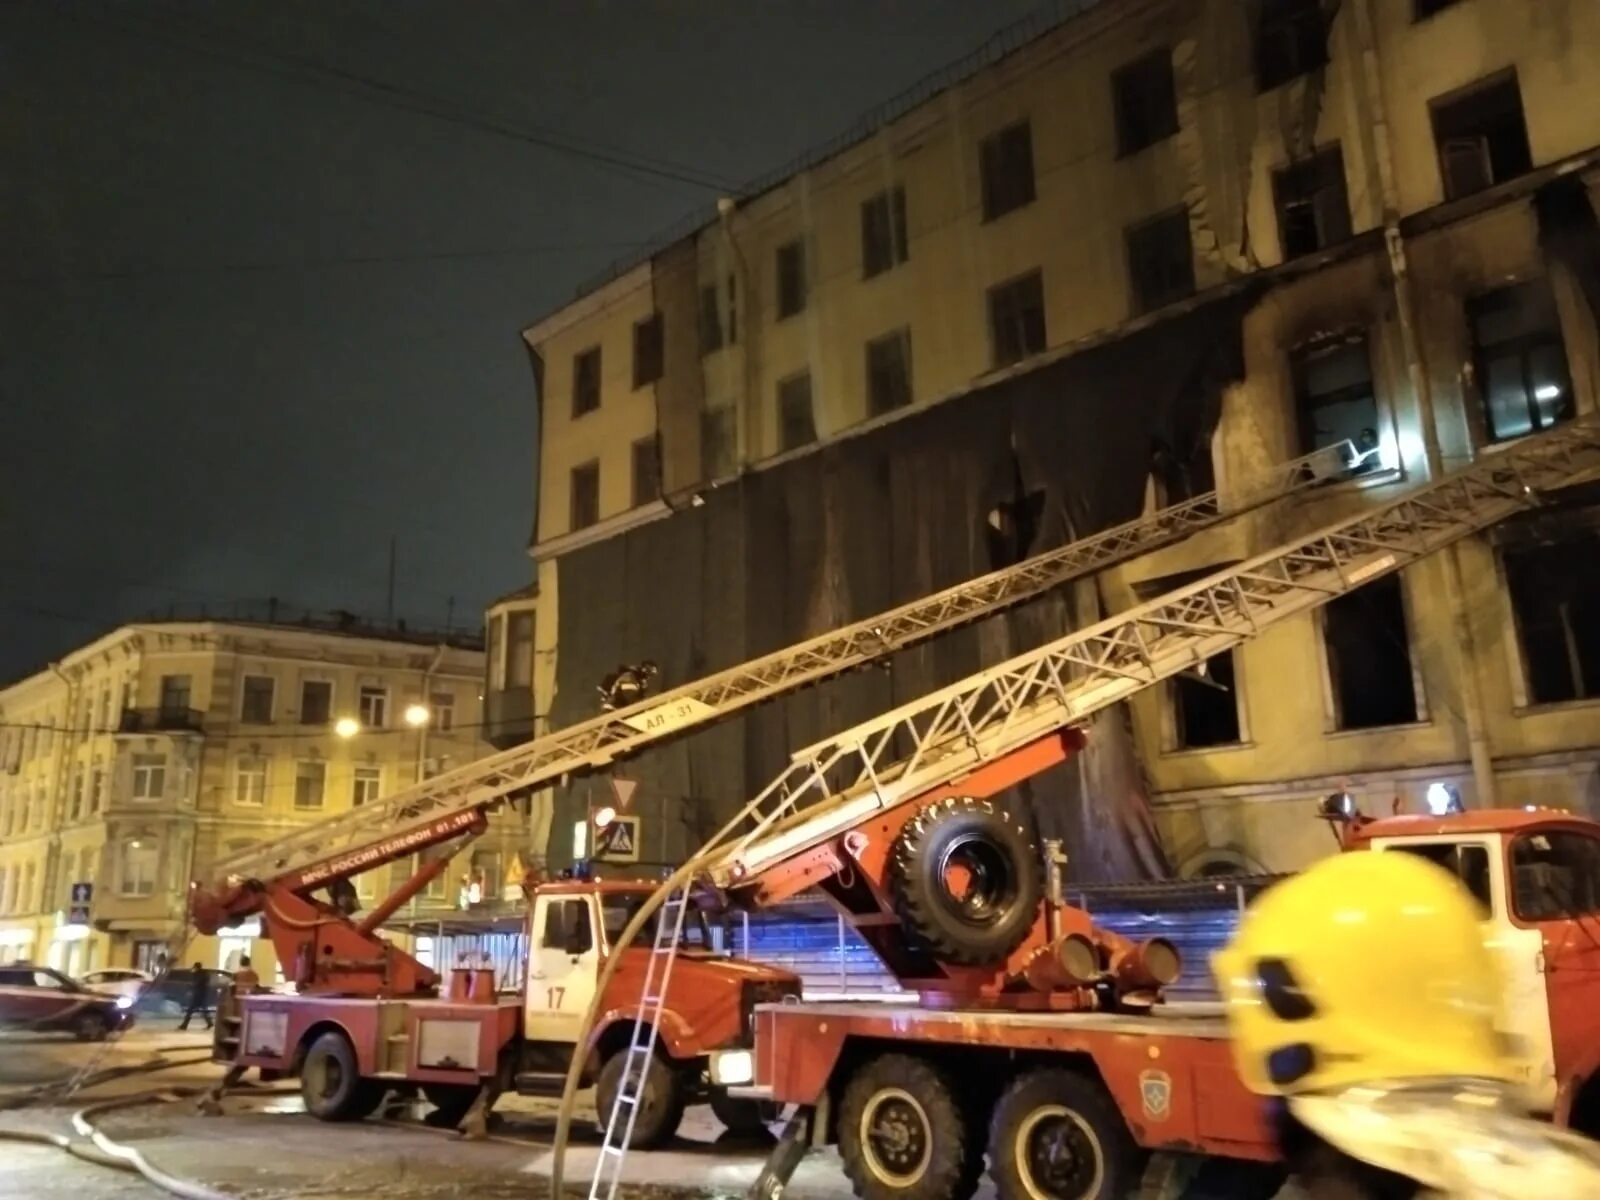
966, 879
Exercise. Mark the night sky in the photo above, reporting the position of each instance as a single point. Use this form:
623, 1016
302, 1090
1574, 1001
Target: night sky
265, 266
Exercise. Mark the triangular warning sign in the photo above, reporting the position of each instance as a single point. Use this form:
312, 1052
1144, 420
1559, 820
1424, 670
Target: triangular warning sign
623, 790
619, 840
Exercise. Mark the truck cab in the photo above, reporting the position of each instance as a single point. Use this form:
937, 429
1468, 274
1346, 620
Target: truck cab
1535, 874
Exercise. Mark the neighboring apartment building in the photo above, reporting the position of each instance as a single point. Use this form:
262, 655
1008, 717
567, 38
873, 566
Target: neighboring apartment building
1396, 196
141, 758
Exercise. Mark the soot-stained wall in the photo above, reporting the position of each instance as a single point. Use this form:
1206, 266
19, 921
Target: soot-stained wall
875, 520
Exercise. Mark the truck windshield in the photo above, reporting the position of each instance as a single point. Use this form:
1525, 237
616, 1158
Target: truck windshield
1467, 861
619, 910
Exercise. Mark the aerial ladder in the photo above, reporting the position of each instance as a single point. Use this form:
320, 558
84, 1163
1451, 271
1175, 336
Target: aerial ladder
867, 815
332, 950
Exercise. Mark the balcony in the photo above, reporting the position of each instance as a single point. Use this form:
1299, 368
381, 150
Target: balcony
161, 720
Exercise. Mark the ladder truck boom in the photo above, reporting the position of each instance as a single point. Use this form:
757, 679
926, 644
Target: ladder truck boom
450, 804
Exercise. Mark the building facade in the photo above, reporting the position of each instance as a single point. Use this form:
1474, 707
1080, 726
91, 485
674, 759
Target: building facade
138, 760
1399, 198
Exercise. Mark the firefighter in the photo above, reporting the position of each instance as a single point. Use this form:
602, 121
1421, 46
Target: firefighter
1362, 998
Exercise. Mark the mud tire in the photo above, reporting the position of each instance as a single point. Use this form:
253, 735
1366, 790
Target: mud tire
1057, 1135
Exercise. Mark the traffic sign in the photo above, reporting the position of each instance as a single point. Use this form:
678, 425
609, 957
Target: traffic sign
78, 908
618, 841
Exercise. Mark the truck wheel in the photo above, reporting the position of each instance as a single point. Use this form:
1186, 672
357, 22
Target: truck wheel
1057, 1135
331, 1083
743, 1117
450, 1100
966, 879
902, 1135
661, 1101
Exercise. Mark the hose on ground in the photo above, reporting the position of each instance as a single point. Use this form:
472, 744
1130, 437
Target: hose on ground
75, 1081
83, 1123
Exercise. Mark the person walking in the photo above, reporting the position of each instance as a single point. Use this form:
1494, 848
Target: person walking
197, 999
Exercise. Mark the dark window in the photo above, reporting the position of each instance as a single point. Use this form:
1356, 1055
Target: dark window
255, 707
1555, 596
1205, 705
1555, 876
797, 424
710, 319
646, 471
1520, 360
889, 372
1369, 657
174, 694
519, 650
883, 232
1467, 861
1313, 208
585, 510
1005, 160
791, 278
1481, 137
1145, 101
1016, 318
1160, 261
647, 350
586, 381
567, 926
1291, 39
1335, 400
316, 701
733, 312
1426, 8
717, 450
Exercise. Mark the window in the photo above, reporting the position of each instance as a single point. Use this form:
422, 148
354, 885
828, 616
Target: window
1369, 657
149, 776
567, 926
316, 701
1005, 162
310, 782
1205, 705
443, 707
1291, 39
105, 706
1519, 360
646, 471
366, 786
1145, 101
256, 706
1160, 261
889, 372
883, 232
586, 381
797, 424
1426, 8
1481, 137
1554, 584
373, 706
1555, 876
648, 349
585, 499
1467, 861
97, 787
250, 782
141, 858
1313, 209
792, 284
76, 807
1016, 318
713, 333
1335, 400
29, 877
717, 457
519, 650
174, 695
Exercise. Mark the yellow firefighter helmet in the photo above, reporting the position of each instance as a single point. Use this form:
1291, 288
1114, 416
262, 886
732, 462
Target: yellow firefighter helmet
1369, 966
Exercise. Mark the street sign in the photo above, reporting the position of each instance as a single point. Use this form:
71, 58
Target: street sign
78, 909
623, 790
618, 841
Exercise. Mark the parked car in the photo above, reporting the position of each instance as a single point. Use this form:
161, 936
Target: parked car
169, 992
43, 999
117, 981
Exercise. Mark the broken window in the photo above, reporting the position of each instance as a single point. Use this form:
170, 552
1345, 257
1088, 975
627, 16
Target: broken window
1481, 137
889, 372
717, 450
1291, 39
1145, 101
1160, 260
1016, 318
1335, 400
1369, 657
1205, 705
1520, 360
586, 381
585, 496
797, 425
646, 471
1005, 161
883, 232
1313, 209
647, 350
791, 278
1555, 594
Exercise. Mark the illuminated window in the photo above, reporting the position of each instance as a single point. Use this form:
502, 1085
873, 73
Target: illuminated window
1520, 360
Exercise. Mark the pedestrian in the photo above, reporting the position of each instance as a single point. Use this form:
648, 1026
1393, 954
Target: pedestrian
197, 998
245, 979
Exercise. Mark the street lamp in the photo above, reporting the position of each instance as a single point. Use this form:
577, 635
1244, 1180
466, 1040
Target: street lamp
347, 727
417, 715
604, 816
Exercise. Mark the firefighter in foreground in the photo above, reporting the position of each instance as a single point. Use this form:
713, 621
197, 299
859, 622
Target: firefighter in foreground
1361, 995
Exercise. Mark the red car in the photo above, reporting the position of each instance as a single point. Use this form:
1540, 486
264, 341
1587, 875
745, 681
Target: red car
45, 1000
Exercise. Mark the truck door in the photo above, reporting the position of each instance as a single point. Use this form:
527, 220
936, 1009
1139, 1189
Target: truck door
1555, 896
564, 962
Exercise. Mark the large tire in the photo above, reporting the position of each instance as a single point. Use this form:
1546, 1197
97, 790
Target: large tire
331, 1084
903, 1136
746, 1118
661, 1102
1057, 1135
988, 919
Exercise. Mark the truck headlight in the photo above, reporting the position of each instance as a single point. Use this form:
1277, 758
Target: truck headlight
732, 1068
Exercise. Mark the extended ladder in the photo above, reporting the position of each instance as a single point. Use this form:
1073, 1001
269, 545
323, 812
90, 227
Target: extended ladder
590, 744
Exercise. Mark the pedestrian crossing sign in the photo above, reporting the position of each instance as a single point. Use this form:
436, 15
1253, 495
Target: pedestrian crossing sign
618, 841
